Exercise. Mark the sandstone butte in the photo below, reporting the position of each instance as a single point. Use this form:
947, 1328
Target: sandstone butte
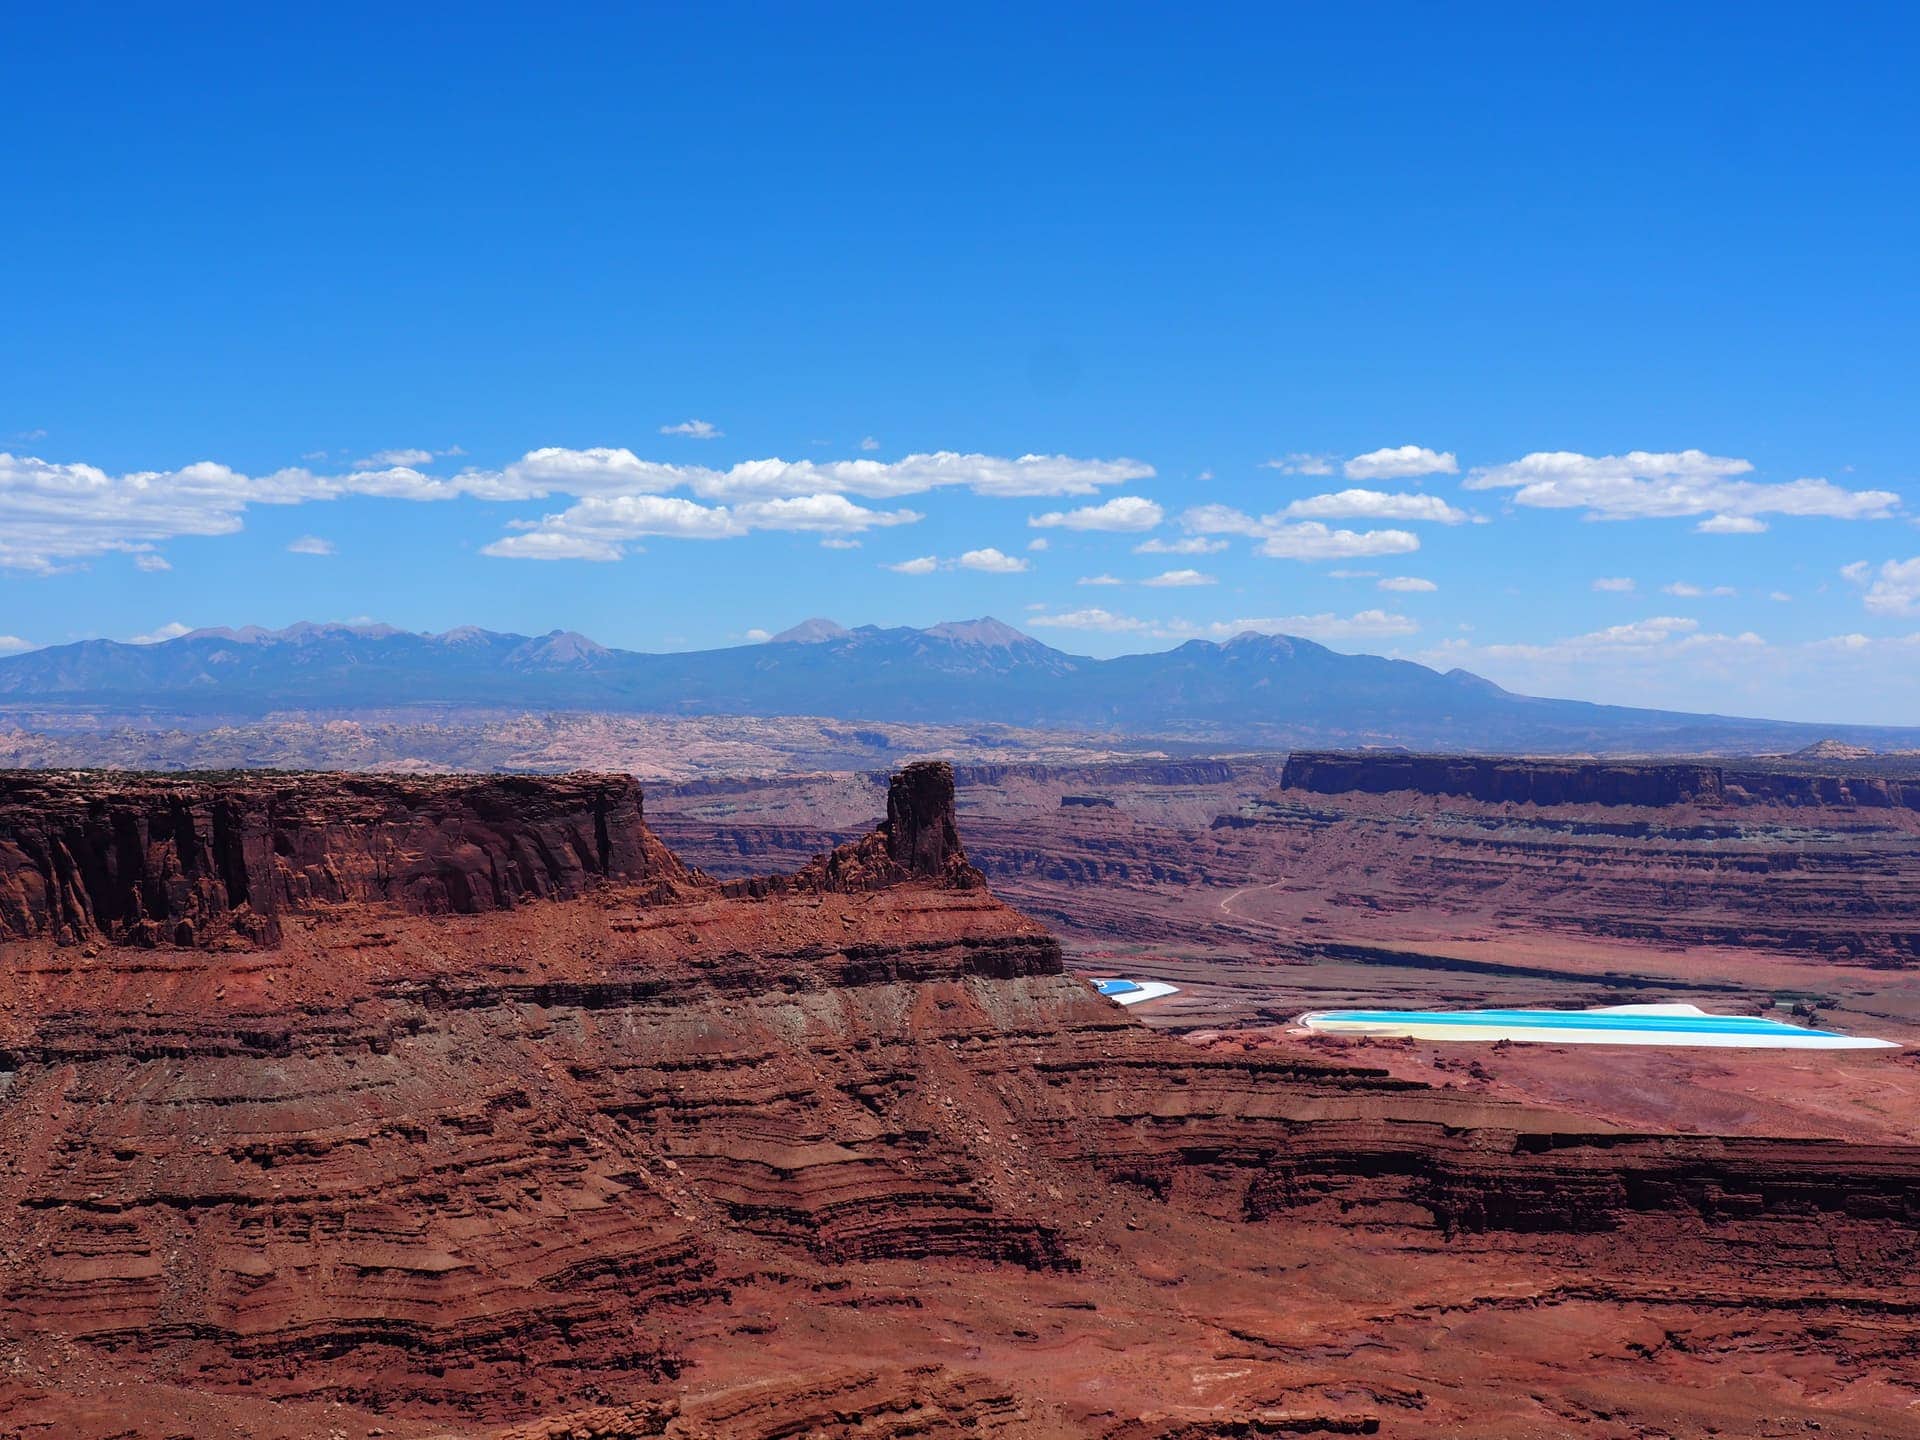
340, 1106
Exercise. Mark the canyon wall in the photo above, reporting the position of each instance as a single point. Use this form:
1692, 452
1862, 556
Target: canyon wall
640, 1152
187, 860
1512, 781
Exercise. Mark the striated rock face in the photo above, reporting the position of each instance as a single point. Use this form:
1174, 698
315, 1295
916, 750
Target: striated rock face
846, 1156
190, 860
1504, 781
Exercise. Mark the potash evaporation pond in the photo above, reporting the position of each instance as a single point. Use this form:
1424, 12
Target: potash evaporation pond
1604, 1025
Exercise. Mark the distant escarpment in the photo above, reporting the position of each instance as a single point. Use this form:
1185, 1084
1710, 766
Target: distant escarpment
1512, 781
207, 859
1757, 858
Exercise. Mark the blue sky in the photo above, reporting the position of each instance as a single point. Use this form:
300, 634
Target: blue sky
349, 314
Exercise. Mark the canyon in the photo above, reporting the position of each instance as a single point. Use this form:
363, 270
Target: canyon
518, 1107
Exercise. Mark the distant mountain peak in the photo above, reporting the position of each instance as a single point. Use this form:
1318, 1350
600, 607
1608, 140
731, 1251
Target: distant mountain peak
984, 631
811, 632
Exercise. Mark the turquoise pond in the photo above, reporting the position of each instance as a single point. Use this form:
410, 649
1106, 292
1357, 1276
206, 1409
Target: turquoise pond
1573, 1019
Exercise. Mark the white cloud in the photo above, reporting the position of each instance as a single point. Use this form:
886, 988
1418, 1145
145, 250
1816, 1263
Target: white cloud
1123, 512
1099, 580
1346, 574
1780, 595
1731, 525
55, 514
1408, 585
310, 545
1090, 619
172, 630
815, 512
152, 564
389, 459
1687, 590
1303, 540
1363, 625
600, 524
1375, 505
839, 542
1401, 462
1615, 585
552, 545
920, 565
1038, 544
1192, 545
1896, 591
1301, 463
1857, 571
992, 562
694, 430
1311, 540
1646, 485
12, 644
869, 443
759, 636
1173, 579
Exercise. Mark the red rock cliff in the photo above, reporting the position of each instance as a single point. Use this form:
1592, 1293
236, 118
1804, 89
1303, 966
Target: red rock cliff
199, 859
1497, 779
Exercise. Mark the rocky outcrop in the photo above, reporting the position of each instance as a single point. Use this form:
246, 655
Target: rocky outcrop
193, 860
918, 840
1506, 781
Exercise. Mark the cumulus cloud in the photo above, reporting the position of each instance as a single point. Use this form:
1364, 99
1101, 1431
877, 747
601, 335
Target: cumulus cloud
1301, 463
839, 542
53, 514
1375, 505
1099, 580
1089, 619
13, 644
552, 545
1301, 540
1123, 512
172, 630
694, 430
1191, 545
1895, 591
919, 565
1401, 462
758, 636
601, 524
1408, 585
869, 443
1687, 590
1037, 544
1647, 485
992, 562
152, 564
1362, 625
1731, 525
1615, 585
310, 545
1173, 579
389, 459
1311, 540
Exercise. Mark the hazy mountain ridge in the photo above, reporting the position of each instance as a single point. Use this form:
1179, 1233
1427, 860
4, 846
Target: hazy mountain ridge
1252, 689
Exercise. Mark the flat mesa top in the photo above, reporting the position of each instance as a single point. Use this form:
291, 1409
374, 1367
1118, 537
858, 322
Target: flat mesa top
1603, 1025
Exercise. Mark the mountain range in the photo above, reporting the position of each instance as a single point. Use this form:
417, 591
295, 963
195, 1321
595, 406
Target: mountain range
1254, 689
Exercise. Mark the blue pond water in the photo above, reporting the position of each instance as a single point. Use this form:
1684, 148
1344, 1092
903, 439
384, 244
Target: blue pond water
1115, 987
1574, 1019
